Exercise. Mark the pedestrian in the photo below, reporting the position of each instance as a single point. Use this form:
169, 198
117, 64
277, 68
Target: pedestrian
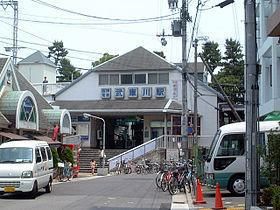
45, 85
92, 166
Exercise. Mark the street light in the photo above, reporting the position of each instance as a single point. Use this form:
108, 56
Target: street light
103, 143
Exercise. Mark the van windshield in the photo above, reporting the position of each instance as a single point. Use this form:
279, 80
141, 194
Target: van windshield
16, 155
213, 145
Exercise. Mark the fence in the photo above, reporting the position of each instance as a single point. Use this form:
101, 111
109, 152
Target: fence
162, 142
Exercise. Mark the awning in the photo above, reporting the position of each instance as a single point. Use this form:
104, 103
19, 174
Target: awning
12, 135
47, 139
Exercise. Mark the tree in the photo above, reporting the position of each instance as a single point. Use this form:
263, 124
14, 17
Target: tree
231, 76
212, 54
231, 72
160, 53
57, 52
67, 71
105, 57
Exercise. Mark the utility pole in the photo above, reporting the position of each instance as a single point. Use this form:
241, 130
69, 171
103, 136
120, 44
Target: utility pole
14, 5
184, 123
251, 104
195, 105
179, 29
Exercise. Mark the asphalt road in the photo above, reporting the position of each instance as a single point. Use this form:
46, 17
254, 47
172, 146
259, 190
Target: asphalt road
124, 192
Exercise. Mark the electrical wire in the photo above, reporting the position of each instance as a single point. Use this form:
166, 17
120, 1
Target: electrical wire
87, 24
193, 28
97, 17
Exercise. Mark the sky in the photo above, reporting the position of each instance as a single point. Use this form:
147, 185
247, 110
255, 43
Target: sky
90, 28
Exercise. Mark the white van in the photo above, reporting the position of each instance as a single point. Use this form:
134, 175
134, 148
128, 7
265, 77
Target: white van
226, 161
25, 166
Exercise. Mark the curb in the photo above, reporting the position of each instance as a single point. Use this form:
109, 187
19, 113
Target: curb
81, 178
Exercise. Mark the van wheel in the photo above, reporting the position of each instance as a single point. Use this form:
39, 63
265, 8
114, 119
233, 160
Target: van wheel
34, 191
48, 188
237, 185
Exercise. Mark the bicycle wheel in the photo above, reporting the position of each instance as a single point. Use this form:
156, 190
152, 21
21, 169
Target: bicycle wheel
188, 186
164, 183
138, 170
173, 187
158, 179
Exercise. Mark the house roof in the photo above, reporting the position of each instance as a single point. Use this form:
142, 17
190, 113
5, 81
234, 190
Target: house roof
137, 59
37, 57
2, 63
41, 102
121, 106
4, 122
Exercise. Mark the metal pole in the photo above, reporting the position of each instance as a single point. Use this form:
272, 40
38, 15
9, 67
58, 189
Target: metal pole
103, 144
251, 104
15, 34
195, 106
184, 80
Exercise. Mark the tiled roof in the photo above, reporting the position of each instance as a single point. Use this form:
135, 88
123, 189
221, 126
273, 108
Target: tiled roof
37, 57
137, 59
123, 106
4, 122
2, 63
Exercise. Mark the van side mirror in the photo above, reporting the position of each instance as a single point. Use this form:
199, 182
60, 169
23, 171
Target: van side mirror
38, 159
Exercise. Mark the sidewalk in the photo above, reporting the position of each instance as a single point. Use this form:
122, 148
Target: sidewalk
229, 202
81, 176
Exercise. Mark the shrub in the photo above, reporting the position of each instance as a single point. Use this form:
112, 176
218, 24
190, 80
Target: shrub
55, 157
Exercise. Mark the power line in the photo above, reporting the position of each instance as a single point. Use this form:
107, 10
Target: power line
97, 17
87, 24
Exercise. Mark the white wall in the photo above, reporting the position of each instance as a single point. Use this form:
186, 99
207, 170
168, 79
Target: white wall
35, 73
268, 54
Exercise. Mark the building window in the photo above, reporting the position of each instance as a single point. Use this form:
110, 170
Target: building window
132, 92
28, 111
114, 79
152, 78
126, 79
140, 78
163, 78
160, 92
158, 78
119, 92
146, 92
103, 79
105, 93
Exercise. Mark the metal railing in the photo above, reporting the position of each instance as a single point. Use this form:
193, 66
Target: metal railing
50, 88
162, 142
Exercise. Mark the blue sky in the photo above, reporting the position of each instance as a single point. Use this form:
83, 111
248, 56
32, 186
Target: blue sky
96, 36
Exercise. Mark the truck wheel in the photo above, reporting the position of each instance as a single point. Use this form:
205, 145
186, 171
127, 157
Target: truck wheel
237, 185
34, 191
48, 188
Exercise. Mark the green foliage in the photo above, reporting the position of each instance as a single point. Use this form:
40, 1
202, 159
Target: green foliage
66, 154
276, 197
57, 52
272, 158
212, 54
266, 196
55, 157
67, 71
231, 74
105, 57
